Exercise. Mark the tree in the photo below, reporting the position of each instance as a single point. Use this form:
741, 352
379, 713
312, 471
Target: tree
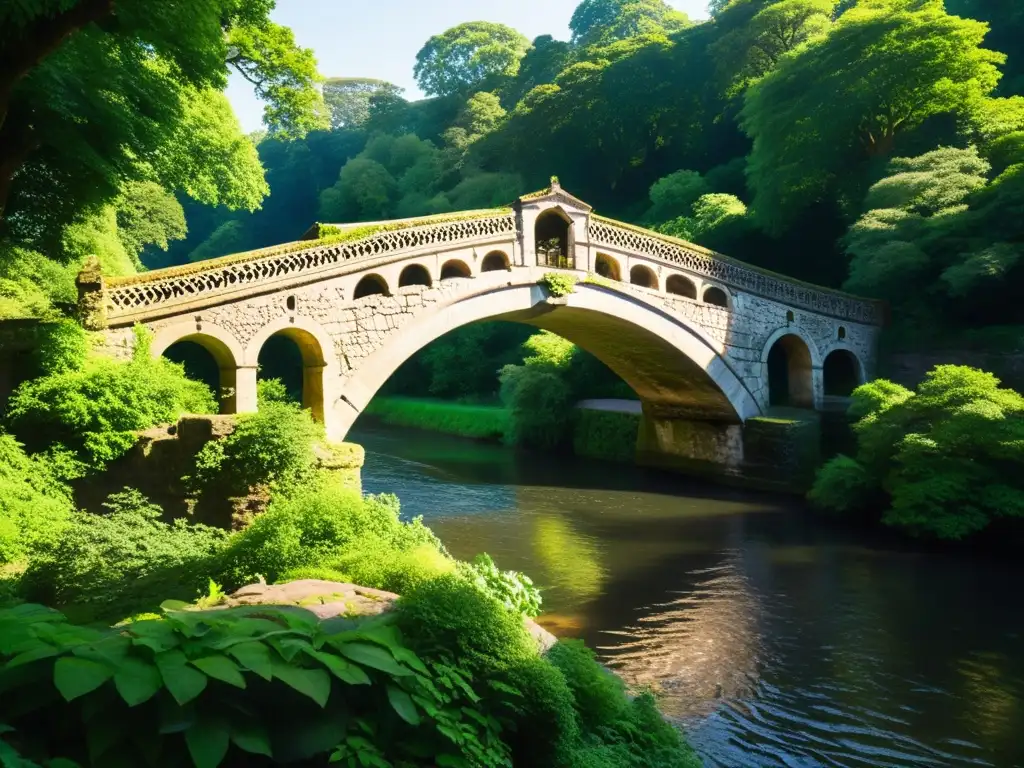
599, 22
541, 64
482, 115
886, 66
92, 91
365, 192
674, 195
348, 98
147, 214
469, 57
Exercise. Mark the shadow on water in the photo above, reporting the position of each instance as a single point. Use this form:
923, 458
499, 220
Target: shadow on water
775, 640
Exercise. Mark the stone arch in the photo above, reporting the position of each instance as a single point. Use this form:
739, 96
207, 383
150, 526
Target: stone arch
223, 347
789, 362
716, 297
841, 372
607, 267
371, 285
553, 239
670, 365
681, 286
414, 274
454, 268
643, 276
316, 349
495, 261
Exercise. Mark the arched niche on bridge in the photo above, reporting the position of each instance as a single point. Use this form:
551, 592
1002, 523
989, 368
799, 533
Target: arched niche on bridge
455, 268
206, 358
790, 373
414, 274
607, 267
841, 373
553, 240
681, 286
371, 285
643, 276
295, 356
495, 261
716, 297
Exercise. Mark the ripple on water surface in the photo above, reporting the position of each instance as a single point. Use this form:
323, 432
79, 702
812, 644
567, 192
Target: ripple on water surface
773, 640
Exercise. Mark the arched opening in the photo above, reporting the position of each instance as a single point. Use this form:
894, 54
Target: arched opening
841, 373
681, 286
790, 317
716, 297
607, 267
790, 380
295, 357
495, 261
371, 285
643, 276
553, 241
842, 333
208, 360
414, 274
454, 268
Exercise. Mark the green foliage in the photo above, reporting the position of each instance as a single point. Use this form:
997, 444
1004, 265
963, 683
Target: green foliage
35, 506
600, 22
324, 525
123, 561
538, 401
512, 589
948, 457
674, 195
31, 284
607, 435
94, 407
148, 215
469, 57
272, 447
477, 421
912, 60
348, 98
559, 283
231, 686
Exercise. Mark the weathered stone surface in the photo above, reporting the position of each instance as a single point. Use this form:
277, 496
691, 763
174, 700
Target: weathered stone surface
328, 599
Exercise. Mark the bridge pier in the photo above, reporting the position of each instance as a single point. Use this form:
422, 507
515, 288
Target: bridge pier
765, 452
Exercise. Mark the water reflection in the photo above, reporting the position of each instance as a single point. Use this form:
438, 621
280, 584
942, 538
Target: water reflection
774, 640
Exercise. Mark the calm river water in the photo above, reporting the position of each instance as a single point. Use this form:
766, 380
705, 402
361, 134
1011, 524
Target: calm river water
773, 639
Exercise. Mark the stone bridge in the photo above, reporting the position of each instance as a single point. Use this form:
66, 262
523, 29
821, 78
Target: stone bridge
705, 341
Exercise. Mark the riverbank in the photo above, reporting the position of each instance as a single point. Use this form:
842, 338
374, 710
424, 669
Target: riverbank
598, 429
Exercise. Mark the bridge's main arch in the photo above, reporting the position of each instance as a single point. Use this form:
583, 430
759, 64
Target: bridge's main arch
673, 366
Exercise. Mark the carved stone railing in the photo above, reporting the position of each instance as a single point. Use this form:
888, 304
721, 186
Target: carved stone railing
743, 277
163, 289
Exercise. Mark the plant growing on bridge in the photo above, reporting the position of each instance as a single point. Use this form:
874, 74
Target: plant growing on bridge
947, 460
559, 284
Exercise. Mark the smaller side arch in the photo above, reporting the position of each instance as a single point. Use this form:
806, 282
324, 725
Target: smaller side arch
414, 274
495, 261
841, 371
455, 268
607, 267
643, 276
222, 346
371, 285
681, 286
789, 362
716, 297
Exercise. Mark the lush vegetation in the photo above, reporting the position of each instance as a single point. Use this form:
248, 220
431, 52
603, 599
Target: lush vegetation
942, 462
608, 435
465, 419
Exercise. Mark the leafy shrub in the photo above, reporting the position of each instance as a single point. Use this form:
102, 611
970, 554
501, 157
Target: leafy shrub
598, 695
607, 435
271, 391
449, 615
539, 403
373, 561
512, 589
123, 561
242, 686
272, 447
559, 283
547, 725
31, 284
477, 421
948, 457
313, 528
95, 407
35, 506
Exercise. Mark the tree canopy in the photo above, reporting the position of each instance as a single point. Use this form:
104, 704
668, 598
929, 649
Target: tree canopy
469, 57
599, 22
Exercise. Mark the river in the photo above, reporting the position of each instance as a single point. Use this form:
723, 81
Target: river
772, 638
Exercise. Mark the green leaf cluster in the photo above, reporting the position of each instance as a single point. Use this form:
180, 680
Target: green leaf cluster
943, 462
512, 589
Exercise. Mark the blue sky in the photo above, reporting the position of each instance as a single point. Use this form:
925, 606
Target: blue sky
380, 38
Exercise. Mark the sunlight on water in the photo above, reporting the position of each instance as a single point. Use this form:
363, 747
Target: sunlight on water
771, 639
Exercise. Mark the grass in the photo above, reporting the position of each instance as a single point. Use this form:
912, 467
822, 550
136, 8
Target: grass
485, 422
